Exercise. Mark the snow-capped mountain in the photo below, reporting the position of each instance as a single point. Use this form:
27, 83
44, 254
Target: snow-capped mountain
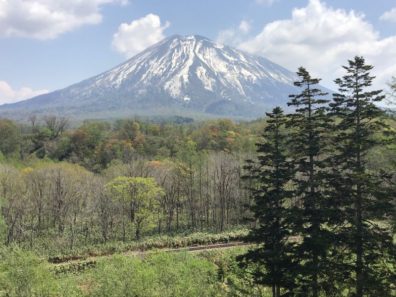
179, 74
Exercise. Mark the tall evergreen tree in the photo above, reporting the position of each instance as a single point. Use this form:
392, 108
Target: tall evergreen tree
269, 177
364, 194
309, 128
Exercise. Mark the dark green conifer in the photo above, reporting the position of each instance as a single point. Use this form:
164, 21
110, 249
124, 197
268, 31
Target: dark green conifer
364, 195
270, 176
309, 127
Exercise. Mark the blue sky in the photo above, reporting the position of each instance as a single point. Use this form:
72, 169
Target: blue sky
49, 44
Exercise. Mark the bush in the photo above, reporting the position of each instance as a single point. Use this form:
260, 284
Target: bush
162, 275
22, 274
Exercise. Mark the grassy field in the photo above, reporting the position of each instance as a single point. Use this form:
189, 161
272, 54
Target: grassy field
207, 273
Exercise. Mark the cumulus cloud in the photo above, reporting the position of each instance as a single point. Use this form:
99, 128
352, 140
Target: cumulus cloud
133, 38
234, 36
322, 38
10, 95
389, 16
47, 19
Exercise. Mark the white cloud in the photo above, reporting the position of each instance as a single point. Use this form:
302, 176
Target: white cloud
322, 38
234, 36
10, 95
47, 19
244, 27
133, 38
389, 15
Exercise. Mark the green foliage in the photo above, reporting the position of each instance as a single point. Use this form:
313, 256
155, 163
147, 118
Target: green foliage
56, 255
309, 143
96, 145
10, 137
366, 193
22, 274
236, 280
165, 275
269, 178
340, 201
86, 142
141, 195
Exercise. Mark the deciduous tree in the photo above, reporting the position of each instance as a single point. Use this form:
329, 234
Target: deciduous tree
139, 198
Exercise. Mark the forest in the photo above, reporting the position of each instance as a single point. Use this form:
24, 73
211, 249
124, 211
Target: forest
309, 187
74, 184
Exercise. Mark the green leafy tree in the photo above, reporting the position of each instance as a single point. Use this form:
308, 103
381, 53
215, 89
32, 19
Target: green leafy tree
269, 177
189, 154
10, 137
366, 198
139, 198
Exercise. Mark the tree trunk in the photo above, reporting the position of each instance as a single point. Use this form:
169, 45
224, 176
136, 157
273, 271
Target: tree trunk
137, 233
359, 245
359, 230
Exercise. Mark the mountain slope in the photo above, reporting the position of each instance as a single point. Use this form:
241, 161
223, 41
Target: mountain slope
179, 75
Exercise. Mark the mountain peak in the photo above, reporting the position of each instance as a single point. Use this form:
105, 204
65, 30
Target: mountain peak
181, 72
188, 37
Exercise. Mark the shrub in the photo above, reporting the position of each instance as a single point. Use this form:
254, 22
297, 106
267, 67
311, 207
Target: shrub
22, 274
164, 274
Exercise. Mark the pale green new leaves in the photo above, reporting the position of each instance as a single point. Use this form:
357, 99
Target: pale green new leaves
140, 190
141, 195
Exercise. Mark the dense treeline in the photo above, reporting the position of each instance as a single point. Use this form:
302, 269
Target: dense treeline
324, 213
65, 187
95, 144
